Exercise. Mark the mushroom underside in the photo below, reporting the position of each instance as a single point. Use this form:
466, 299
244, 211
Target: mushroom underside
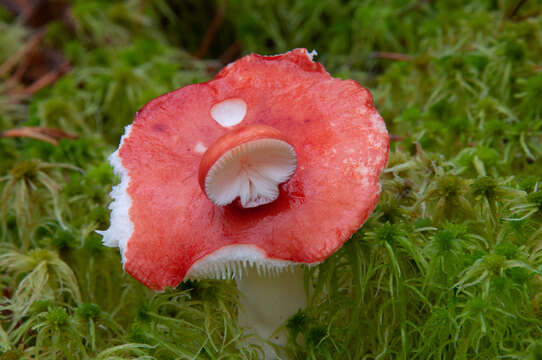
234, 262
251, 172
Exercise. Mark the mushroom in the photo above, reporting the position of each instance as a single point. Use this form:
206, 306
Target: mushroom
271, 164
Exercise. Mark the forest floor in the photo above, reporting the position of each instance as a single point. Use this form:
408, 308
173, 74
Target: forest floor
449, 264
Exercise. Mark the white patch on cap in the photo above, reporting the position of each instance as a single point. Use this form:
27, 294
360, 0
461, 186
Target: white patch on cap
200, 148
231, 262
229, 112
312, 54
364, 174
122, 227
252, 172
378, 123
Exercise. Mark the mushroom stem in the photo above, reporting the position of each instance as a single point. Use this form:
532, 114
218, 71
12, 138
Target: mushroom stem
266, 303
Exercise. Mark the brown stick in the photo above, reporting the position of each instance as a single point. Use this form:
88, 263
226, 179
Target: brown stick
211, 33
230, 53
14, 59
392, 56
39, 133
45, 80
516, 9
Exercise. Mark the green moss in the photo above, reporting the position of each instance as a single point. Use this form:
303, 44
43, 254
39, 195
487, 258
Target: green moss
535, 198
446, 267
316, 335
64, 240
508, 250
445, 241
484, 186
41, 306
297, 323
57, 316
88, 311
494, 263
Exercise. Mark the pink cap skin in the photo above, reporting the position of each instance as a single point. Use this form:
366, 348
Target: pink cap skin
163, 222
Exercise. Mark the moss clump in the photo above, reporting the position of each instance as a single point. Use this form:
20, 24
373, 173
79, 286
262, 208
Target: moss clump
494, 263
57, 316
535, 198
448, 265
88, 311
485, 187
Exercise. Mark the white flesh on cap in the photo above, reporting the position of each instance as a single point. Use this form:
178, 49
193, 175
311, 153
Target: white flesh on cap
252, 172
229, 112
122, 227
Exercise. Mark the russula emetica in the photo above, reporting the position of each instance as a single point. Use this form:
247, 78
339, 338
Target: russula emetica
324, 146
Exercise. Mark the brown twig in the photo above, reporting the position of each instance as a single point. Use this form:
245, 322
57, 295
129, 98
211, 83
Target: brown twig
39, 133
15, 58
516, 9
230, 53
211, 33
23, 66
391, 56
45, 80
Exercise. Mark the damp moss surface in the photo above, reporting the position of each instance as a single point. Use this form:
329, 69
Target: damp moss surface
449, 264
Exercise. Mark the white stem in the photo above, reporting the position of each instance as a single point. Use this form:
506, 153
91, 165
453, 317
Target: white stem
267, 302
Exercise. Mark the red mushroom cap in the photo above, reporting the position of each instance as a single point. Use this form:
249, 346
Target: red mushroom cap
164, 224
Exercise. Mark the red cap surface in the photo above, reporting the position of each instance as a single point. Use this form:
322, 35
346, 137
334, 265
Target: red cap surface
341, 143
